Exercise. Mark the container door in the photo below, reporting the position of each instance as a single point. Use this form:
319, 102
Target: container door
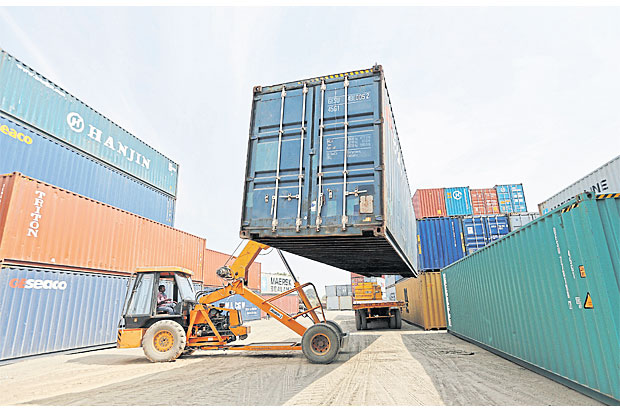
497, 227
475, 233
518, 198
279, 185
347, 152
505, 199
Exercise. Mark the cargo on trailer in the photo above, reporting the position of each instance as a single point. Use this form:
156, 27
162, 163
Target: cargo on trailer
423, 297
44, 310
214, 260
603, 180
548, 295
511, 198
440, 242
516, 221
429, 203
35, 100
51, 226
325, 175
458, 201
43, 157
484, 201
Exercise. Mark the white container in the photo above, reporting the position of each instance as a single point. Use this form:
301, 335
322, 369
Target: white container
333, 302
346, 302
516, 221
603, 180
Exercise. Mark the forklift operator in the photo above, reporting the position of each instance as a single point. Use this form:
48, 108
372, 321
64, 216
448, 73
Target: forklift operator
164, 304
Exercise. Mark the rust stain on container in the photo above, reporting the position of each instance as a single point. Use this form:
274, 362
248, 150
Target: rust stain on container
215, 260
484, 201
423, 297
50, 226
429, 203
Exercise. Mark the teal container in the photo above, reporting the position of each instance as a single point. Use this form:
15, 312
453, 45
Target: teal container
458, 201
38, 102
547, 296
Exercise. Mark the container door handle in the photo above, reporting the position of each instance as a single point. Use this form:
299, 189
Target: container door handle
274, 205
320, 196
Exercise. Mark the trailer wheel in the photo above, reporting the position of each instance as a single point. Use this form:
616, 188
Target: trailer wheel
363, 320
336, 326
392, 319
399, 320
358, 320
320, 343
164, 341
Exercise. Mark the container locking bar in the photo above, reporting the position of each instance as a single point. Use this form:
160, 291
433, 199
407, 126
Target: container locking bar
345, 172
301, 157
274, 203
320, 197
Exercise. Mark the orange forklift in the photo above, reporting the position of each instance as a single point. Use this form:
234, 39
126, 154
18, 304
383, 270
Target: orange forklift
196, 323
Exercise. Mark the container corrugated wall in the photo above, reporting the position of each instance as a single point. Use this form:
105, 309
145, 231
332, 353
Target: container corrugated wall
288, 303
458, 201
429, 203
47, 310
547, 296
45, 158
440, 242
424, 303
215, 260
31, 98
484, 201
511, 198
605, 179
311, 192
45, 224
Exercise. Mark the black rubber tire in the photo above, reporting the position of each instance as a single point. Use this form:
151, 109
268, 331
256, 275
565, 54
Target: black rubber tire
320, 343
399, 320
187, 352
336, 326
174, 349
363, 320
358, 320
392, 320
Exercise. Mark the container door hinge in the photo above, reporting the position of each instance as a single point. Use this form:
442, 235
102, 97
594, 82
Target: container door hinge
379, 168
378, 218
379, 122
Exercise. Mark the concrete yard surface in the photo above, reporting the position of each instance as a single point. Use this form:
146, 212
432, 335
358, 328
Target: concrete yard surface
380, 367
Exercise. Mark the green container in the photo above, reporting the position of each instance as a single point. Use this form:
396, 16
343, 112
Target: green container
547, 296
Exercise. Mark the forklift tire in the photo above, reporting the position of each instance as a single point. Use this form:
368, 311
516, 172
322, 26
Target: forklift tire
320, 343
399, 320
358, 320
363, 320
336, 326
164, 341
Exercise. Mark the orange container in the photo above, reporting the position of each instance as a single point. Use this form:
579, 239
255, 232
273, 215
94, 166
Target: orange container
215, 260
429, 203
423, 297
50, 226
484, 201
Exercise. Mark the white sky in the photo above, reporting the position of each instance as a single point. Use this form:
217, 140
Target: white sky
481, 96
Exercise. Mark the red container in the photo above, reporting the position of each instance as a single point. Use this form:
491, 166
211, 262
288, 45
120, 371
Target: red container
49, 226
215, 260
288, 303
484, 201
429, 203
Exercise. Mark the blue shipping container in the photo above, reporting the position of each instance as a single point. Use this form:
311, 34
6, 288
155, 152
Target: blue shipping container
45, 158
248, 310
325, 175
480, 231
458, 201
511, 198
440, 242
47, 310
33, 99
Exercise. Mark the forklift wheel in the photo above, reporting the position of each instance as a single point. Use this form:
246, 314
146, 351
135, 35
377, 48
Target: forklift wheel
336, 326
399, 320
320, 343
164, 341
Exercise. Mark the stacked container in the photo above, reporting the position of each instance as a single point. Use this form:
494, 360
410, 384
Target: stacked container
458, 201
517, 221
428, 203
511, 198
215, 260
440, 242
484, 201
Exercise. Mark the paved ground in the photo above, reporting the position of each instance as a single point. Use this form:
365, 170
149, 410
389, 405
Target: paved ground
381, 367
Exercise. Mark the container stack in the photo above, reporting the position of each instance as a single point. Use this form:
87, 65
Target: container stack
339, 297
453, 222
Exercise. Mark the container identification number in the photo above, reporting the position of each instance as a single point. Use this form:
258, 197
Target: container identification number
335, 102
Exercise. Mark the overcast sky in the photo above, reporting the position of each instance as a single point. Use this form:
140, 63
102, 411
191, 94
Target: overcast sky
481, 96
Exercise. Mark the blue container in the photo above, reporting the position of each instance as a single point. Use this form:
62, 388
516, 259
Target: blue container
440, 242
248, 310
511, 198
458, 201
47, 310
325, 176
479, 231
45, 158
31, 98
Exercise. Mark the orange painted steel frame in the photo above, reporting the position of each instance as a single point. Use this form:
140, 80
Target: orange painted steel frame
239, 273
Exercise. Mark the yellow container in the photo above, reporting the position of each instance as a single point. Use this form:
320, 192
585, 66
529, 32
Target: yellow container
423, 297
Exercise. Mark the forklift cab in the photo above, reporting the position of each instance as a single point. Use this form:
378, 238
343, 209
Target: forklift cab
140, 309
